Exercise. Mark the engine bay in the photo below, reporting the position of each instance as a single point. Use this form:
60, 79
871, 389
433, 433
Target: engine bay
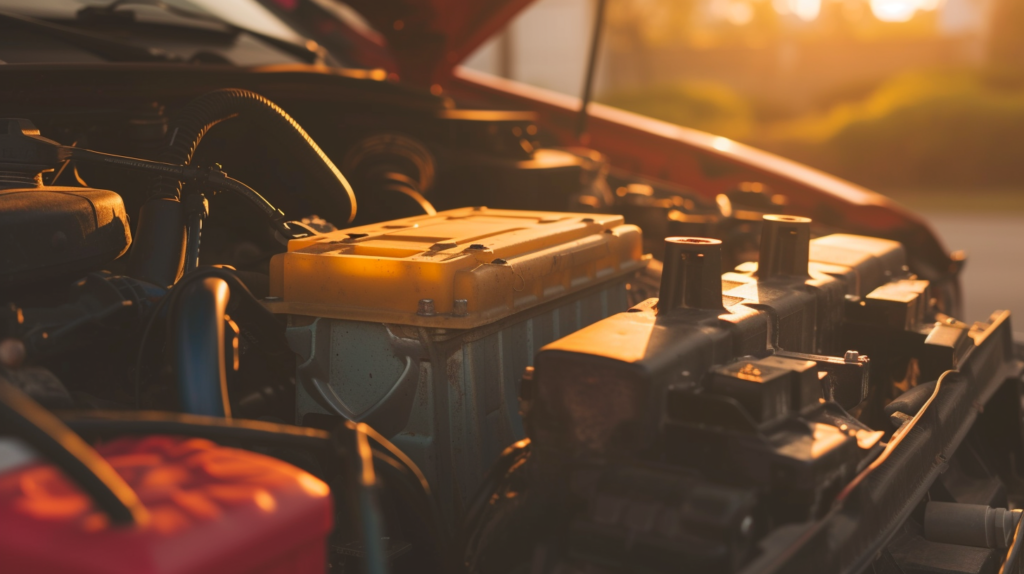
494, 352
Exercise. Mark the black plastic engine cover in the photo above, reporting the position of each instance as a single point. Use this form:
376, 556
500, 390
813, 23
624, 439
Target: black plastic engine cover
53, 232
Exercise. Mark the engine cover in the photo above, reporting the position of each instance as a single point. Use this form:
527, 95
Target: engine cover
59, 232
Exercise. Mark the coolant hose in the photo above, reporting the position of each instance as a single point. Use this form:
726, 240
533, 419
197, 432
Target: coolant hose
160, 236
196, 326
198, 306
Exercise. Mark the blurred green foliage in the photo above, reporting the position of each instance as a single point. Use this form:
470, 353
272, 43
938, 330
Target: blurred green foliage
948, 128
945, 128
704, 106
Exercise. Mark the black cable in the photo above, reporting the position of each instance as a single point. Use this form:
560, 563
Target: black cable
209, 178
1011, 564
398, 472
197, 209
494, 477
22, 417
111, 424
206, 111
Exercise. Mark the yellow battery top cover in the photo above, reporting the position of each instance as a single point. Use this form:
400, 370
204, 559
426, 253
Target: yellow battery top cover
458, 269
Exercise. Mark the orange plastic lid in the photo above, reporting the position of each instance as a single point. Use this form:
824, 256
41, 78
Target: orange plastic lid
460, 269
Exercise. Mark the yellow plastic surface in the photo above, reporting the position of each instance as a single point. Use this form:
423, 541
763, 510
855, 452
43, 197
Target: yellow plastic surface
500, 262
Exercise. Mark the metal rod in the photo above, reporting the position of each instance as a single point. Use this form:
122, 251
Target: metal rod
588, 86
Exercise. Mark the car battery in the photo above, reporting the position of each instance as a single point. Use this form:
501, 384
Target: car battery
422, 327
208, 510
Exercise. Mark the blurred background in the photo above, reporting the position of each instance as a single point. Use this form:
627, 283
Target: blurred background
922, 100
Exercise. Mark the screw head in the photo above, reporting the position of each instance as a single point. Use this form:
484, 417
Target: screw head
461, 308
851, 357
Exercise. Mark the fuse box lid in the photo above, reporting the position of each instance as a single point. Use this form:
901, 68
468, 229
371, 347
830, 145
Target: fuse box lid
474, 265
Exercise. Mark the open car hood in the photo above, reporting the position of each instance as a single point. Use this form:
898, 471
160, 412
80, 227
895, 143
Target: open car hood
428, 38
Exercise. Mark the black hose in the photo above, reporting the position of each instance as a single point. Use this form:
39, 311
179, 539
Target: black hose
266, 331
22, 417
195, 329
161, 263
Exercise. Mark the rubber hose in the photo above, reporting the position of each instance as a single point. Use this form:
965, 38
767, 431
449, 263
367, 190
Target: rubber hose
163, 266
199, 364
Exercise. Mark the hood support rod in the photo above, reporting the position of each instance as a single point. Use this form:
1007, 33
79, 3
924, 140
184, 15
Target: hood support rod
588, 86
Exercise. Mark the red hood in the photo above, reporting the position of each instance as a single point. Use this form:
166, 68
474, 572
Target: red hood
428, 38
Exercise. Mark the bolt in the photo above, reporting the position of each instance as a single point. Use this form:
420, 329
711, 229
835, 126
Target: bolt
499, 262
851, 357
461, 308
426, 308
477, 246
356, 235
442, 245
587, 220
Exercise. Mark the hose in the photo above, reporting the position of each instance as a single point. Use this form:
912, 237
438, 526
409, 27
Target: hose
184, 322
195, 329
158, 254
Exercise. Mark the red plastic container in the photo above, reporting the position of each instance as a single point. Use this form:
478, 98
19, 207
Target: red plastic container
211, 510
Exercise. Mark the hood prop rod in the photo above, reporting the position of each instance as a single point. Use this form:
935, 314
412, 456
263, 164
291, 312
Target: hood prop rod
588, 86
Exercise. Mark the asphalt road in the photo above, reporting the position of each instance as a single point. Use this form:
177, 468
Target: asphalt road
994, 276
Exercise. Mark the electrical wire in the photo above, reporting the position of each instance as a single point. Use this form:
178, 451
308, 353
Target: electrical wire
211, 178
1010, 565
24, 418
396, 469
837, 503
894, 442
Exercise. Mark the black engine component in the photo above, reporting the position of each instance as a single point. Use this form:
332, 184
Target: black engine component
49, 233
734, 383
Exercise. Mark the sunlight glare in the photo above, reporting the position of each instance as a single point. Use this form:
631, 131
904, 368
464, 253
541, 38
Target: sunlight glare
740, 13
806, 10
895, 10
